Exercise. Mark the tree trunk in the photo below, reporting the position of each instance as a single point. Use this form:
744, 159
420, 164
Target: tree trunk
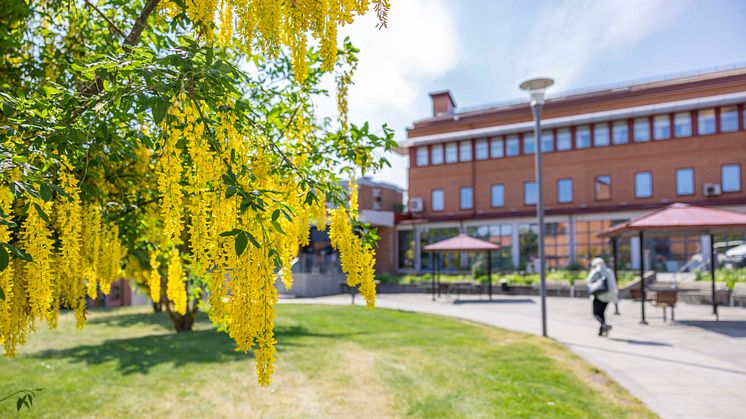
158, 307
182, 322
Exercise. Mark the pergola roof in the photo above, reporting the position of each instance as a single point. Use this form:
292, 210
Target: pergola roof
681, 218
461, 243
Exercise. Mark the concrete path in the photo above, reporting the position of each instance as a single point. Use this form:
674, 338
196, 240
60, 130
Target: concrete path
691, 368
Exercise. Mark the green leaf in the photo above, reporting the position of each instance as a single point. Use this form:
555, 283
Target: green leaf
241, 242
275, 215
45, 191
159, 108
2, 294
277, 227
18, 253
19, 403
4, 259
230, 233
41, 212
252, 239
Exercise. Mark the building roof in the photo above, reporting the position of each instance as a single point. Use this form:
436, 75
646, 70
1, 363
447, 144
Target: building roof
682, 218
461, 243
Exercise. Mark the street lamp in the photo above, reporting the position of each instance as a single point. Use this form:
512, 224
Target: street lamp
536, 88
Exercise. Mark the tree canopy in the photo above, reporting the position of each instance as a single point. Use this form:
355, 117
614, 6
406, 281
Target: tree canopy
177, 143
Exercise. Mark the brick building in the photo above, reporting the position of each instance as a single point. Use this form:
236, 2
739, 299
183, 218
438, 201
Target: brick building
378, 204
611, 154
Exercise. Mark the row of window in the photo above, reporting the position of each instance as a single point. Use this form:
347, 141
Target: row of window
730, 177
658, 127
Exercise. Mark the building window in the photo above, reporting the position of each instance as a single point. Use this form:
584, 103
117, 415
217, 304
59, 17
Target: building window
422, 156
437, 154
706, 122
530, 194
451, 153
564, 139
683, 124
512, 146
642, 130
406, 249
497, 195
529, 144
729, 119
600, 135
620, 133
464, 150
582, 137
481, 151
437, 199
466, 198
662, 127
547, 142
730, 177
496, 148
564, 191
603, 188
685, 181
643, 185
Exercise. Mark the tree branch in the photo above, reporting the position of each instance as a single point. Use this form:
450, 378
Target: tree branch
140, 23
112, 25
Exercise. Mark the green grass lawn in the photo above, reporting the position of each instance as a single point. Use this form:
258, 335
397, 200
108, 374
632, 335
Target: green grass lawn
332, 361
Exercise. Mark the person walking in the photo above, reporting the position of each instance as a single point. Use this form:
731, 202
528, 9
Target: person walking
602, 288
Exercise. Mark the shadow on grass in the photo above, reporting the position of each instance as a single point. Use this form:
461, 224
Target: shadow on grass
138, 355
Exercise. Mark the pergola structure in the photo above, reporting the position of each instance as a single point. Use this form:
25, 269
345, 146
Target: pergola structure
677, 219
461, 243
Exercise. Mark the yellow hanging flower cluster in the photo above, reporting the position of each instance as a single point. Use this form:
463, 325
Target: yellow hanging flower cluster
357, 258
176, 288
112, 254
91, 232
36, 239
154, 278
69, 225
273, 24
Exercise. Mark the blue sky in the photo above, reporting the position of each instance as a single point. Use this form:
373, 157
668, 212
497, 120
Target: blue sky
482, 49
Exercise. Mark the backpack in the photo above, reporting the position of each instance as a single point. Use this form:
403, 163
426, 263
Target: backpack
600, 287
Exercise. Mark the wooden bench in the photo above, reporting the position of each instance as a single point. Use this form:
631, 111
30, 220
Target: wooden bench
666, 298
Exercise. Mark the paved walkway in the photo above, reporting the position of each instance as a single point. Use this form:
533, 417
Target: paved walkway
692, 368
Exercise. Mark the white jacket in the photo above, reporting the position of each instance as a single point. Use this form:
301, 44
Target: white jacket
597, 273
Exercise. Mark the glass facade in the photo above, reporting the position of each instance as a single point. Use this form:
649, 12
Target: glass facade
730, 175
642, 130
685, 181
588, 245
547, 142
602, 188
464, 150
643, 185
662, 127
729, 119
512, 146
683, 124
530, 194
499, 234
582, 137
437, 200
529, 144
706, 122
481, 149
497, 195
449, 262
422, 153
620, 132
406, 249
564, 139
564, 191
451, 153
600, 135
496, 148
466, 198
437, 152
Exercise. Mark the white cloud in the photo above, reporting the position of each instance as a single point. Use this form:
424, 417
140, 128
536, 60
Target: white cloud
397, 65
566, 38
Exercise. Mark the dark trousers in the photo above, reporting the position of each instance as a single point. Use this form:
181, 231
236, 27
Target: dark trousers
599, 311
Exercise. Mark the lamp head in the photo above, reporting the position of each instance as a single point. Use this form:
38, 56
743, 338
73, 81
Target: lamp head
536, 88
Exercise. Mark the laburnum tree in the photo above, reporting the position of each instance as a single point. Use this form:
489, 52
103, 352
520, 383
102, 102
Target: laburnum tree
177, 143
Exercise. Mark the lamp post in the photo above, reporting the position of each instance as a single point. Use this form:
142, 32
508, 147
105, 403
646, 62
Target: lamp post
536, 88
